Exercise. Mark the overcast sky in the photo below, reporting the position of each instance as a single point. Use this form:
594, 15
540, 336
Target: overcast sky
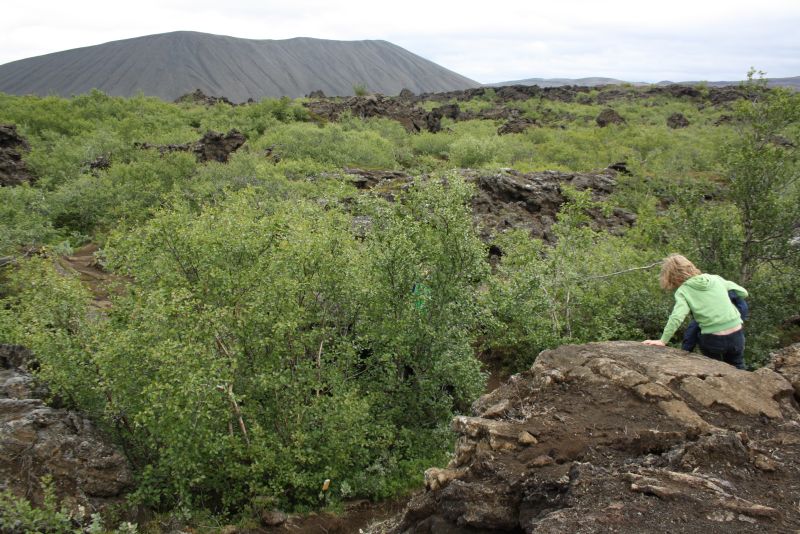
488, 41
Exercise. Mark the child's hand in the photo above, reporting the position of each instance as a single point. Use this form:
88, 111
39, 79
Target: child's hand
654, 342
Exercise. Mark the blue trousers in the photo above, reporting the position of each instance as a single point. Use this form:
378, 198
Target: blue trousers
728, 349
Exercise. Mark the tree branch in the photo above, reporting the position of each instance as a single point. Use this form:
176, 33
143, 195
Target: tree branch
609, 275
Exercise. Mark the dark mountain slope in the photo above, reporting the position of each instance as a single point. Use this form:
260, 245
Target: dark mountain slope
171, 64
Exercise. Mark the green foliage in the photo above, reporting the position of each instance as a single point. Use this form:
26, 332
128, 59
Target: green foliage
545, 296
18, 515
24, 219
473, 152
332, 145
360, 89
763, 175
277, 329
263, 348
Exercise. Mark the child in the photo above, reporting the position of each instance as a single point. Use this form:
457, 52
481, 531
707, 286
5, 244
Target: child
706, 297
692, 334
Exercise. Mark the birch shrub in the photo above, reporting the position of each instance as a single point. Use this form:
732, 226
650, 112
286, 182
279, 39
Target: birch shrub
261, 346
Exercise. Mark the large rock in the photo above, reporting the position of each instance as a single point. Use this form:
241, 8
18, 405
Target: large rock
620, 437
199, 97
677, 121
787, 362
508, 199
37, 440
216, 146
213, 146
411, 116
13, 170
609, 116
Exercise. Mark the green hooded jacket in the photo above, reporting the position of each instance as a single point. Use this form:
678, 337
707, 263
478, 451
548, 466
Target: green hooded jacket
706, 296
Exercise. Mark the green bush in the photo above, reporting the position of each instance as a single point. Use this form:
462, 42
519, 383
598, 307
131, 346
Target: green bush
256, 331
331, 145
471, 151
545, 296
24, 219
18, 515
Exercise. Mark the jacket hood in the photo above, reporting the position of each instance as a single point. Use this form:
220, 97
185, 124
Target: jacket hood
700, 282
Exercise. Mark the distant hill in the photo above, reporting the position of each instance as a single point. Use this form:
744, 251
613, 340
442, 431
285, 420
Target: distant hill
793, 82
172, 64
559, 82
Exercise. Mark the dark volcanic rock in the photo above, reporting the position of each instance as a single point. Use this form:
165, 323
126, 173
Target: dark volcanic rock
213, 146
412, 117
727, 94
518, 125
13, 170
609, 116
199, 97
316, 94
100, 163
366, 179
37, 440
450, 111
677, 120
509, 199
620, 437
406, 94
218, 147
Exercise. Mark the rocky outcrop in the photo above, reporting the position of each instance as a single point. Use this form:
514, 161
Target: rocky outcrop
199, 97
620, 437
38, 440
787, 362
406, 108
609, 116
677, 120
412, 117
608, 93
517, 125
508, 199
213, 146
13, 170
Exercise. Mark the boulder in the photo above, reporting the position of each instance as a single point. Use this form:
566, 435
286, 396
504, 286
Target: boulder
38, 440
13, 170
517, 125
677, 120
622, 437
609, 116
787, 362
216, 146
199, 97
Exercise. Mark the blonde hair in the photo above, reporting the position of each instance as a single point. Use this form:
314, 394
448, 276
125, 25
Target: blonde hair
675, 270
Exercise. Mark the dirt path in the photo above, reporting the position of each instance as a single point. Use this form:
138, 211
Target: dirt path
83, 262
